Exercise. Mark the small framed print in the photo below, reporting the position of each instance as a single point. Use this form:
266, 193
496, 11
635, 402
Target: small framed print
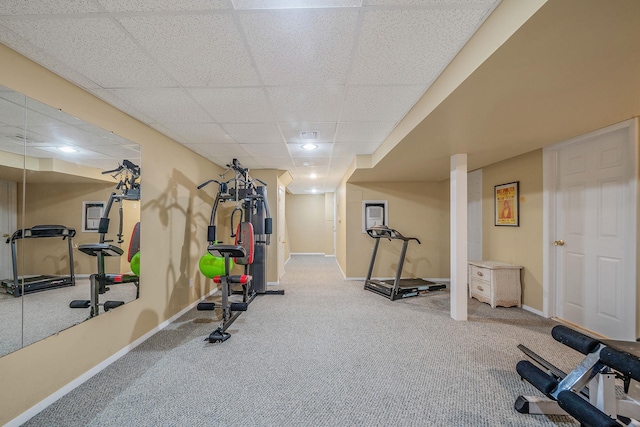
506, 204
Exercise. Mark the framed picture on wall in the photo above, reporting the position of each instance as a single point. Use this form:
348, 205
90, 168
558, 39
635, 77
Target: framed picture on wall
507, 204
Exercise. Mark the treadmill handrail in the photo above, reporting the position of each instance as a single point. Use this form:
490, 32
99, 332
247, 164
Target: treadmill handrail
382, 231
38, 231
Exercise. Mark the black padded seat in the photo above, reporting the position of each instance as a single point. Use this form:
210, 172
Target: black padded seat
233, 251
94, 249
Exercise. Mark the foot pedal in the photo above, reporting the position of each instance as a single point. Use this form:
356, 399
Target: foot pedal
219, 336
80, 303
239, 306
108, 305
206, 306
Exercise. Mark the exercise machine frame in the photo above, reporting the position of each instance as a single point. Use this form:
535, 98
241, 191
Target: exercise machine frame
128, 174
27, 284
252, 235
588, 392
398, 287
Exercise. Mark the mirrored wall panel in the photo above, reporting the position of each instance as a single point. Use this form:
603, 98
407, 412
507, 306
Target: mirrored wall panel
74, 251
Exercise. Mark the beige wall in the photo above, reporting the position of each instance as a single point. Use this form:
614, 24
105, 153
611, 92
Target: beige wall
517, 245
329, 223
62, 204
305, 215
174, 216
416, 209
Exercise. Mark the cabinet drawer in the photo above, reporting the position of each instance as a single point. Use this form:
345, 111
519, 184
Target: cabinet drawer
479, 287
479, 273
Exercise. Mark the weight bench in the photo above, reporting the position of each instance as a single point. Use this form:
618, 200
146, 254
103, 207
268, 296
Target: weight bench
230, 310
588, 392
101, 280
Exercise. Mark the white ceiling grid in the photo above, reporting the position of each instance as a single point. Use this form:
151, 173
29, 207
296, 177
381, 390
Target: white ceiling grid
242, 78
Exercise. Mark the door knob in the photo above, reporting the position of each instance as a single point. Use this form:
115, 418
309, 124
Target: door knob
559, 243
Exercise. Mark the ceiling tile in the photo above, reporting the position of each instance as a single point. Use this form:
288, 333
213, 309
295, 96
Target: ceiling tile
381, 103
291, 131
39, 56
95, 47
293, 4
276, 162
164, 5
229, 151
411, 46
47, 7
311, 161
254, 133
164, 105
235, 105
210, 53
355, 132
314, 44
264, 150
69, 135
199, 133
306, 104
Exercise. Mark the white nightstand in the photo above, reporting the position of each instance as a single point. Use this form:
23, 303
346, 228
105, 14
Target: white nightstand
496, 283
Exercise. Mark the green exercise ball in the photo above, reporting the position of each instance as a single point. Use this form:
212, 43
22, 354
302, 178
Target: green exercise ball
212, 266
135, 264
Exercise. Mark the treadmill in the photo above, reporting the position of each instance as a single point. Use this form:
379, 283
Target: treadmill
36, 283
396, 288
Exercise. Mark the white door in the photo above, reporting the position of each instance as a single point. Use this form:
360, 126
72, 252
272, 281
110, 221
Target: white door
595, 235
281, 225
474, 215
8, 224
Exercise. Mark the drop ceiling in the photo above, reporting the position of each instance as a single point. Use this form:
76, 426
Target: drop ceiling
244, 78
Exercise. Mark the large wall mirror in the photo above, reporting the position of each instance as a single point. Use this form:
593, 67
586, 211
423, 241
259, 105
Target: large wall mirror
69, 221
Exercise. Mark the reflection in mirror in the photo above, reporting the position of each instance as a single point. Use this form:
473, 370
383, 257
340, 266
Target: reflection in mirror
12, 124
69, 180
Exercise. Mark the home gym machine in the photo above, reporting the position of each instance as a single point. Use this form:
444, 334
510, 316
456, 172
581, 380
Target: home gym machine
128, 175
588, 393
252, 236
398, 287
42, 282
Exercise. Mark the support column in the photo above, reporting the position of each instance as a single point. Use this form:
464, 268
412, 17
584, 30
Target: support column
458, 237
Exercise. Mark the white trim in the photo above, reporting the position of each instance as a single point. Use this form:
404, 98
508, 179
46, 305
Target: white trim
365, 203
288, 259
329, 256
533, 310
344, 276
458, 236
307, 253
52, 398
549, 180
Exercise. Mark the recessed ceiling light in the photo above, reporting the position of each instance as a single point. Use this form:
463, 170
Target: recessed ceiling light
309, 146
67, 149
313, 176
313, 190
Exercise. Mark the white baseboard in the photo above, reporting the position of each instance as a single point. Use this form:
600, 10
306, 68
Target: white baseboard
306, 253
533, 310
329, 256
46, 402
344, 276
